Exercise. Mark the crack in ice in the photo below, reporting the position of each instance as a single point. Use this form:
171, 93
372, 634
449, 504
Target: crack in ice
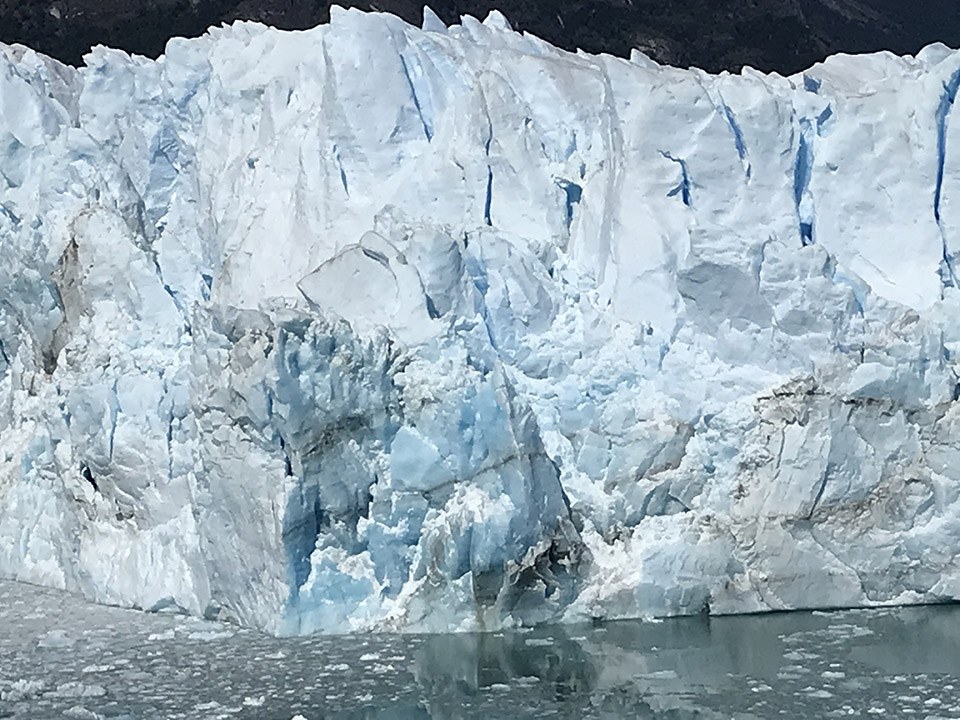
944, 110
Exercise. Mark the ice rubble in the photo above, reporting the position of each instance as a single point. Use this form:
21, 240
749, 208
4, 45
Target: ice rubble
379, 328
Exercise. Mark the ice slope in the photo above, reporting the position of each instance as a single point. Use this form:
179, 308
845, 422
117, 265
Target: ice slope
378, 328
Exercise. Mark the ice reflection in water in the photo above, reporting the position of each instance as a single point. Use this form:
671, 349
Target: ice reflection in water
60, 657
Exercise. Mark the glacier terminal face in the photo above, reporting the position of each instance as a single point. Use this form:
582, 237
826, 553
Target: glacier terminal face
379, 328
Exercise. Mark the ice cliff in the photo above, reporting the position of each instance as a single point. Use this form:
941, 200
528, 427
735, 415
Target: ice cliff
379, 328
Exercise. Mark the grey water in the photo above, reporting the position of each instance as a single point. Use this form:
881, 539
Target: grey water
61, 657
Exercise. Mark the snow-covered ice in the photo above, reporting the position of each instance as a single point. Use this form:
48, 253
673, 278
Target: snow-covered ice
378, 328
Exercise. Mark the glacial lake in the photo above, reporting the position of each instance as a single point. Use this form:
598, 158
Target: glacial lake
61, 657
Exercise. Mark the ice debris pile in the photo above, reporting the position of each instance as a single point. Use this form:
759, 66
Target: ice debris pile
379, 328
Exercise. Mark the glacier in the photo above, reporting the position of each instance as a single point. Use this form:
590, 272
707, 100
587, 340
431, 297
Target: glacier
379, 328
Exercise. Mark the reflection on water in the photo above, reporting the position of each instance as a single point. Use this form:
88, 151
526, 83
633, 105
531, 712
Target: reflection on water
61, 656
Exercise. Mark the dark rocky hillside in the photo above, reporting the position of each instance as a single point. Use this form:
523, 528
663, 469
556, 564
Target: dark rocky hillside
782, 35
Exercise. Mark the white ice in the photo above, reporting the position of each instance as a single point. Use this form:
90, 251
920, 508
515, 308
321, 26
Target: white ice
378, 328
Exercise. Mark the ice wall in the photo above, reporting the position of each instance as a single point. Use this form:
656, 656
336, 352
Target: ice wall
378, 328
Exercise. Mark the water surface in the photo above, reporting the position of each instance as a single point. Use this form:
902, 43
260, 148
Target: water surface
62, 657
